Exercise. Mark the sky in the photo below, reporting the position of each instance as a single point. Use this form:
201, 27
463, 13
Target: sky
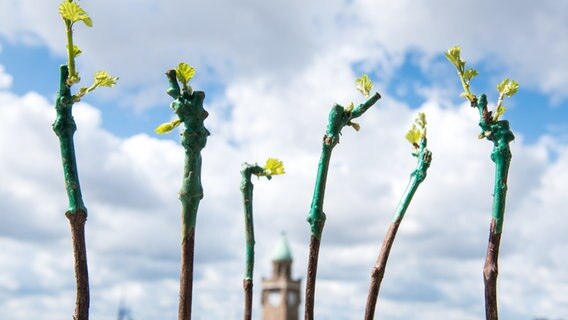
271, 71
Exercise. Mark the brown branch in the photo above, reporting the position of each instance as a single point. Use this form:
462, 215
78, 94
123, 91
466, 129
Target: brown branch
311, 281
378, 270
77, 221
247, 286
186, 276
490, 272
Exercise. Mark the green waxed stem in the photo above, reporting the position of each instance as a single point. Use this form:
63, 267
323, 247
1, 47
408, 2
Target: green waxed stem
338, 118
501, 135
65, 127
502, 159
416, 178
317, 217
377, 273
247, 190
189, 108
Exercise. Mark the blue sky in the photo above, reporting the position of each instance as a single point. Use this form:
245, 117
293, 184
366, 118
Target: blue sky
539, 113
271, 71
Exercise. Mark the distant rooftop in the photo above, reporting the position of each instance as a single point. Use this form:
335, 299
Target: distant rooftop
282, 250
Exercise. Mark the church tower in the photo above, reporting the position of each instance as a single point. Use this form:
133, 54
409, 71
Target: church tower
280, 293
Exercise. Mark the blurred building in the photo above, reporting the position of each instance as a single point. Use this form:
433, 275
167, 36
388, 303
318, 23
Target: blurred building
281, 294
124, 312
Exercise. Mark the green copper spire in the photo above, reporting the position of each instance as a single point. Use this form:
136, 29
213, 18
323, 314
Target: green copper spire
282, 250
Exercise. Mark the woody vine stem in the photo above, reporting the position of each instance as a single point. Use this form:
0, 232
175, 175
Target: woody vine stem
65, 127
417, 137
188, 106
272, 167
500, 134
339, 117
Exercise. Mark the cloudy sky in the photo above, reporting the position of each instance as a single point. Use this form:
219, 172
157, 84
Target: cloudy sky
271, 71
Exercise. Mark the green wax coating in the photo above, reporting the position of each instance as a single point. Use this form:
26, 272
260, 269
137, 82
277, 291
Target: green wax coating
247, 190
65, 127
189, 108
317, 217
501, 135
416, 178
338, 118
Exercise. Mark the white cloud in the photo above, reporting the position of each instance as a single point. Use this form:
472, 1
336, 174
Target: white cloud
523, 36
229, 42
130, 189
130, 184
442, 243
33, 205
5, 79
139, 41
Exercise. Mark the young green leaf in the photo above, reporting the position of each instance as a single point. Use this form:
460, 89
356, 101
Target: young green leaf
421, 120
364, 85
417, 132
354, 125
508, 87
73, 12
167, 127
184, 73
273, 167
469, 74
452, 59
76, 51
453, 54
413, 135
103, 79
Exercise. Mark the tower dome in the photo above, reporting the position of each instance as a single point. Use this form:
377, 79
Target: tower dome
282, 249
281, 293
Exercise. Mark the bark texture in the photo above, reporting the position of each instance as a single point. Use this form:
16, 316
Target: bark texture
490, 272
378, 271
311, 281
247, 286
186, 276
77, 221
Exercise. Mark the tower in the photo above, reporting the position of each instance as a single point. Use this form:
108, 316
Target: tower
281, 293
124, 311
